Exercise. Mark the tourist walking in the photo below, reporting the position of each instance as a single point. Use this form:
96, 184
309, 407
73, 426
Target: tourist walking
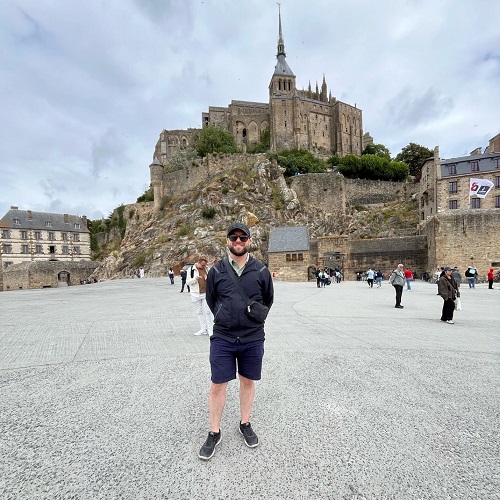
370, 275
378, 278
471, 274
408, 278
448, 290
491, 277
397, 280
457, 276
183, 274
171, 275
197, 285
238, 339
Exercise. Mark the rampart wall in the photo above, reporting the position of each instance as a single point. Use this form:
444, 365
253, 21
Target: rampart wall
464, 238
45, 274
386, 253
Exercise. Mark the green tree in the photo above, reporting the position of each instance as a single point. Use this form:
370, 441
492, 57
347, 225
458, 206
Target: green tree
213, 139
372, 167
299, 161
377, 149
414, 155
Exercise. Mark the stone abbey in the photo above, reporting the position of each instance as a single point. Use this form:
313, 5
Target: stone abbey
309, 119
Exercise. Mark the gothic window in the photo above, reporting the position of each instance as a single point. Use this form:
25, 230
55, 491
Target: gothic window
475, 203
474, 166
279, 84
453, 187
244, 133
184, 142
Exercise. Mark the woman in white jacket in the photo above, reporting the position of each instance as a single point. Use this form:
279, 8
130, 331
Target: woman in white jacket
197, 279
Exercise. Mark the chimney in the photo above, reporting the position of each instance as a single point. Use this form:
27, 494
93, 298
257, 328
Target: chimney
12, 207
66, 218
30, 215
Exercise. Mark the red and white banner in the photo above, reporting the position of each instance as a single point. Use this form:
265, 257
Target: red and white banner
480, 187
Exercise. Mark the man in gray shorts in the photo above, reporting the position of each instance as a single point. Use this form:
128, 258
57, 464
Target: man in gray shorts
237, 342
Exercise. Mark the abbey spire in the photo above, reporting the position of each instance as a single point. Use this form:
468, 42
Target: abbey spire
282, 67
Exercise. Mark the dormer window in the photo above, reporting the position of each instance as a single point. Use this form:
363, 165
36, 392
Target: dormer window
48, 223
77, 225
16, 221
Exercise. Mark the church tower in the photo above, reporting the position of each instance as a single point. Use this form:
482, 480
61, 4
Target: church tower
282, 91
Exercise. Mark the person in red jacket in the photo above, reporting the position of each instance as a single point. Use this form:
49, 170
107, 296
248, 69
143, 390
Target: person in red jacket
408, 278
491, 275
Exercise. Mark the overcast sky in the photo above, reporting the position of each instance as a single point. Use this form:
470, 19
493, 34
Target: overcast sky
86, 86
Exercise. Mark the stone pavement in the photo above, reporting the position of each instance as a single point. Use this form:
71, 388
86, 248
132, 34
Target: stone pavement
103, 394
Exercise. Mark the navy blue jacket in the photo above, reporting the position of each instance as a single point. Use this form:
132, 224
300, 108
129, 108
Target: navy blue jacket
228, 307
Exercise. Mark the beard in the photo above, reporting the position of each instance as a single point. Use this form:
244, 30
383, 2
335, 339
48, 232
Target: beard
238, 252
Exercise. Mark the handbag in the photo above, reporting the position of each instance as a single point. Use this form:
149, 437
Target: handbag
255, 310
458, 304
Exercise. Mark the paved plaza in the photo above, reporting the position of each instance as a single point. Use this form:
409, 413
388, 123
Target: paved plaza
103, 395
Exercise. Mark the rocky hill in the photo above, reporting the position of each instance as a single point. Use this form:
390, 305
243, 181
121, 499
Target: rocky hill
192, 223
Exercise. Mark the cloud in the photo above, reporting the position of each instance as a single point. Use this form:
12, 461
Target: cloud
409, 110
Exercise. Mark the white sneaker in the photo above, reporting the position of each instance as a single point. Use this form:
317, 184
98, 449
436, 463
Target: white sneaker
200, 332
450, 322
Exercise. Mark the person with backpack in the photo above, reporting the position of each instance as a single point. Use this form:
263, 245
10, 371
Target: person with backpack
471, 275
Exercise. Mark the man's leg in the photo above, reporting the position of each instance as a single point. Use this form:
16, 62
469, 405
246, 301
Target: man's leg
208, 317
247, 396
216, 403
198, 305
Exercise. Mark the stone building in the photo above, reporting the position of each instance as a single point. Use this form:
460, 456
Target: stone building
309, 119
289, 254
461, 230
29, 237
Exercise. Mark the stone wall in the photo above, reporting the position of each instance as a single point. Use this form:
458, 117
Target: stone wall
464, 238
289, 270
386, 253
200, 171
45, 274
335, 192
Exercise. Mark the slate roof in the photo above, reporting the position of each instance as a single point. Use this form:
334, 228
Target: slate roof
38, 220
289, 239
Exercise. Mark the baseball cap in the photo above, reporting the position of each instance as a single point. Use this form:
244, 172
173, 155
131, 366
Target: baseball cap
447, 268
240, 226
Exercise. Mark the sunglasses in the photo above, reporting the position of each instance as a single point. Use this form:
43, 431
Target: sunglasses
243, 238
